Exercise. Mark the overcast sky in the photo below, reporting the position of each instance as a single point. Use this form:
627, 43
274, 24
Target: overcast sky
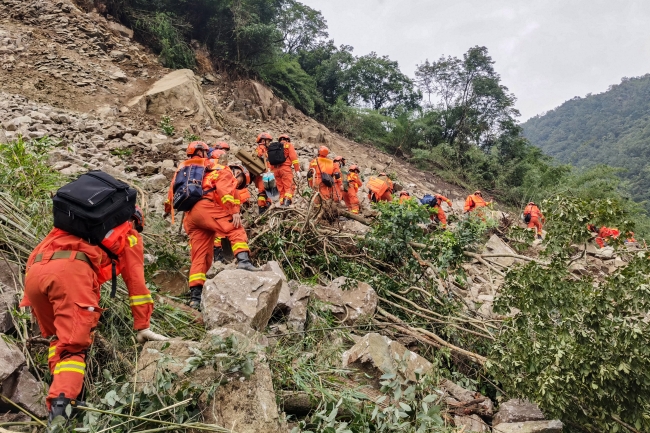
546, 51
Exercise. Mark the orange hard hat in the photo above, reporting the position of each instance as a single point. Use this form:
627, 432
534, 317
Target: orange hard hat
477, 192
323, 151
264, 136
238, 169
195, 146
340, 159
530, 202
222, 145
216, 153
354, 167
284, 136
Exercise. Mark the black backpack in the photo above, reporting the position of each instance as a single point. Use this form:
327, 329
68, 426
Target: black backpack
276, 153
93, 205
527, 217
188, 187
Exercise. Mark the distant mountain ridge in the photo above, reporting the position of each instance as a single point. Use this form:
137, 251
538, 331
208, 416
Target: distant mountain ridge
610, 128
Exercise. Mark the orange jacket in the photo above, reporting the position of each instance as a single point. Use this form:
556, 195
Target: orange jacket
327, 166
405, 198
225, 194
291, 157
379, 185
123, 241
534, 212
354, 183
606, 232
442, 198
474, 201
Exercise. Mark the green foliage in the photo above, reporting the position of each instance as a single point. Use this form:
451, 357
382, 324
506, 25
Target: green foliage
189, 137
166, 34
25, 171
608, 128
122, 153
302, 27
575, 345
167, 126
293, 83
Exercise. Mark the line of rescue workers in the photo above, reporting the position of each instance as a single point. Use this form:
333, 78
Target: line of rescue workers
97, 227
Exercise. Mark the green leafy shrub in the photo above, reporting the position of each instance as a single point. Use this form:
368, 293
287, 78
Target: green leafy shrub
164, 32
167, 126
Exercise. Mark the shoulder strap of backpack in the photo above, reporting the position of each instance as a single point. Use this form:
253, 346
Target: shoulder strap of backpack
113, 257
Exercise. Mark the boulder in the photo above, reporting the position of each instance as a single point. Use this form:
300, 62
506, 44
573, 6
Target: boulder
240, 296
11, 357
358, 302
8, 294
17, 123
156, 182
298, 308
552, 426
471, 423
248, 405
23, 389
177, 91
256, 93
460, 394
496, 246
283, 306
120, 29
375, 355
517, 410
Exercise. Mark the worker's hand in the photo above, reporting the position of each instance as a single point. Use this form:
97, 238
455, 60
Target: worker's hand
236, 220
147, 334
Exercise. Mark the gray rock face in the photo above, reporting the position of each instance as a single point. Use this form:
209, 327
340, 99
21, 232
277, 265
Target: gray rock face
552, 426
496, 246
460, 394
23, 389
240, 296
156, 182
472, 423
375, 354
8, 294
517, 410
359, 302
298, 308
10, 358
247, 404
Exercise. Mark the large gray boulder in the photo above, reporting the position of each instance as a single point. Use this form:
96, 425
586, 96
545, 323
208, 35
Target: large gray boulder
471, 423
349, 300
552, 426
177, 91
9, 272
375, 355
247, 404
241, 297
496, 246
517, 410
11, 358
458, 394
23, 389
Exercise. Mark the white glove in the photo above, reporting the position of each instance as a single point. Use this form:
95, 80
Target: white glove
147, 334
299, 175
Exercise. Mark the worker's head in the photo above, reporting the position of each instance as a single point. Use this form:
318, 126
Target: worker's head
340, 160
355, 168
223, 146
264, 138
197, 148
478, 193
404, 194
592, 228
138, 219
284, 137
219, 155
530, 203
323, 151
241, 174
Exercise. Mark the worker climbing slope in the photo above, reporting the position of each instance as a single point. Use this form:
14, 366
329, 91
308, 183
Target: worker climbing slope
434, 203
534, 218
263, 201
323, 175
475, 201
380, 188
282, 157
65, 271
212, 210
354, 183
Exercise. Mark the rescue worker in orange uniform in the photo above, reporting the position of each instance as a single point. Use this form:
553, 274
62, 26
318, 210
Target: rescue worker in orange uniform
604, 233
354, 183
62, 285
475, 201
216, 214
263, 201
283, 173
535, 218
319, 165
436, 209
222, 145
380, 188
404, 196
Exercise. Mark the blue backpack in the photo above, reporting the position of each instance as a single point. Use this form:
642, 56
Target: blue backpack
188, 187
429, 200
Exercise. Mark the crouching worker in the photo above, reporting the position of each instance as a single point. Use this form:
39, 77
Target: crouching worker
65, 271
207, 192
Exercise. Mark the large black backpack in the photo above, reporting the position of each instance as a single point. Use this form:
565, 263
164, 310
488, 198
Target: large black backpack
93, 205
188, 186
276, 153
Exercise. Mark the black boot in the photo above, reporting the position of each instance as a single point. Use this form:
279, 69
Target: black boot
195, 297
261, 209
286, 202
218, 255
59, 413
244, 262
539, 237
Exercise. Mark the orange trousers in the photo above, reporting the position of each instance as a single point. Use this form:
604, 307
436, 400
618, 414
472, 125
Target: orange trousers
352, 200
284, 181
329, 193
441, 215
536, 223
262, 199
65, 300
203, 223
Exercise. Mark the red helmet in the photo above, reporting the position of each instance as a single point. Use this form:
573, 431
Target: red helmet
138, 219
222, 145
354, 167
217, 153
284, 136
238, 169
264, 136
195, 146
323, 151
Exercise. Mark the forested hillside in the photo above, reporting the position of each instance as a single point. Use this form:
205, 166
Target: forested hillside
610, 128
